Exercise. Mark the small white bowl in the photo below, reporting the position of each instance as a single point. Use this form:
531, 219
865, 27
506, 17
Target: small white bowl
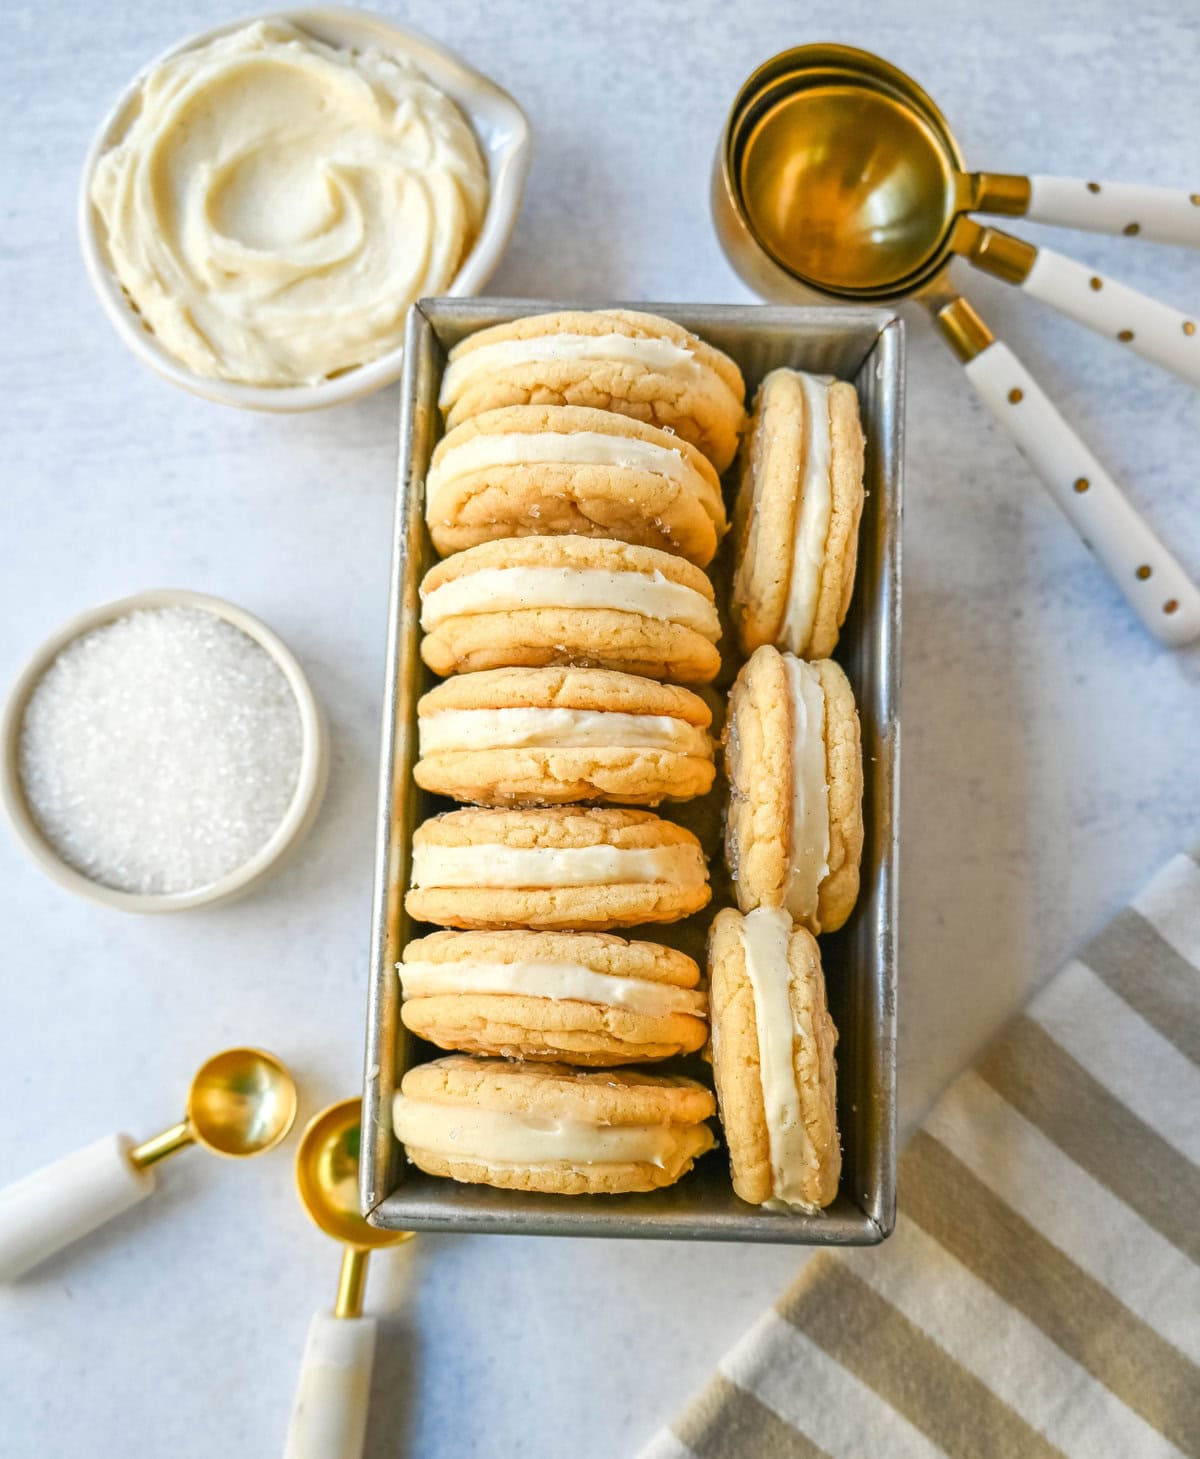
499, 124
297, 819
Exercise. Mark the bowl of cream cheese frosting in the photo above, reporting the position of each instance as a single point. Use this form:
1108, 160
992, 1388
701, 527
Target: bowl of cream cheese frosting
267, 199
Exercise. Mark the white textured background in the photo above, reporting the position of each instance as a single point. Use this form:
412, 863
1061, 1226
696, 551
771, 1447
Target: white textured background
1050, 747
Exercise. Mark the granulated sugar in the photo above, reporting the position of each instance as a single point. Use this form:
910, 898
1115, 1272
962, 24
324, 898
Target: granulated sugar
160, 752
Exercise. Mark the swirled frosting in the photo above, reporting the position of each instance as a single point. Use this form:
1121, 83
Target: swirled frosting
275, 204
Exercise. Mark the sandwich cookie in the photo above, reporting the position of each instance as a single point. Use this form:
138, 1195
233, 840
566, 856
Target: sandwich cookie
796, 517
793, 754
556, 735
525, 602
772, 1051
578, 997
633, 364
529, 470
548, 1127
564, 867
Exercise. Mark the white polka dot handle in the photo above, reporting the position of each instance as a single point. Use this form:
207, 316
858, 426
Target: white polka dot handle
1155, 331
1153, 583
1161, 214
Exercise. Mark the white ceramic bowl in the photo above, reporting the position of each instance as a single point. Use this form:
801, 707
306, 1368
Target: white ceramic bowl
500, 127
297, 819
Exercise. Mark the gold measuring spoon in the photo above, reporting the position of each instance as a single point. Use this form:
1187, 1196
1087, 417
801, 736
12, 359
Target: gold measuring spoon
329, 1415
241, 1102
835, 205
852, 180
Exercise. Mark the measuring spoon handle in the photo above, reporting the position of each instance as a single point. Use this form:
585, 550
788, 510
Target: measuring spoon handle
1148, 328
1153, 583
62, 1202
329, 1414
1161, 214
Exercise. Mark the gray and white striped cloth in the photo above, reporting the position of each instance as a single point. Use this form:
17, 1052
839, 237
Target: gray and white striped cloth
1041, 1292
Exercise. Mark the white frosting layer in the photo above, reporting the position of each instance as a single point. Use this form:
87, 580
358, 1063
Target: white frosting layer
557, 729
507, 589
808, 836
550, 980
812, 522
553, 866
500, 1138
564, 448
274, 204
659, 355
764, 935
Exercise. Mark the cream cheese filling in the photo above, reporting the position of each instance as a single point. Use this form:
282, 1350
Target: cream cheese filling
564, 448
550, 980
659, 355
502, 1138
808, 833
662, 356
509, 589
450, 730
553, 866
811, 531
273, 204
764, 935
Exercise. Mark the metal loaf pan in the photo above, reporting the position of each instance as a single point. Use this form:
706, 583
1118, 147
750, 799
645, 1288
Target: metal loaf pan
865, 346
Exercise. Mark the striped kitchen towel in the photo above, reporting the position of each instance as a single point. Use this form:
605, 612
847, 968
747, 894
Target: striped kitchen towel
1041, 1292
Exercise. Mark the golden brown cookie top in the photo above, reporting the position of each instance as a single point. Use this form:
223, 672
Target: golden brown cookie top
760, 761
566, 688
768, 513
605, 553
607, 1097
571, 419
552, 828
630, 322
598, 951
767, 506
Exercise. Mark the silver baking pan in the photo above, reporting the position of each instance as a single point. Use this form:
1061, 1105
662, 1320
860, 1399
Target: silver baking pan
865, 346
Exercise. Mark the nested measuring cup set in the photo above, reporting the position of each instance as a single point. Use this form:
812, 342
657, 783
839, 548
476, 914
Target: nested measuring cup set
837, 177
241, 1102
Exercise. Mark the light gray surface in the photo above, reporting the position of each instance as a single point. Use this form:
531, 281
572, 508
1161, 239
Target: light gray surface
1050, 748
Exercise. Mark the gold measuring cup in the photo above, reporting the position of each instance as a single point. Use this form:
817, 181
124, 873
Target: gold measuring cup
1136, 210
241, 1102
838, 178
852, 180
329, 1415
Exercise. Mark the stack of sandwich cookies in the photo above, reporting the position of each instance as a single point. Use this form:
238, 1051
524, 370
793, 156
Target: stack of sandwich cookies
549, 1127
796, 518
617, 360
577, 497
557, 868
794, 831
534, 601
554, 735
772, 1049
577, 997
550, 470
